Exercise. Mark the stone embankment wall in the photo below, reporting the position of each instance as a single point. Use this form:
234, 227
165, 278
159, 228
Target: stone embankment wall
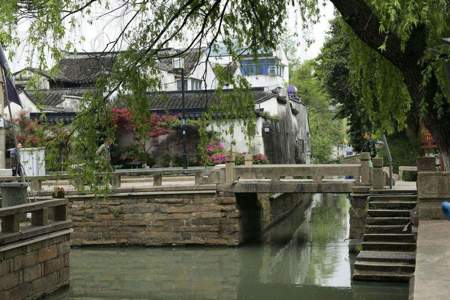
156, 219
32, 270
284, 213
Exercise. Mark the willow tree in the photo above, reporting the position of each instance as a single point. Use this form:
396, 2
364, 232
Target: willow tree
399, 43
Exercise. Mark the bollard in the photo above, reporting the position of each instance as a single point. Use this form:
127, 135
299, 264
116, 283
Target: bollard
13, 193
365, 168
378, 179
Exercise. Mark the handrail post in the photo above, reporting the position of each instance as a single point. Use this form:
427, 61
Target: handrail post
248, 160
378, 179
365, 168
116, 180
60, 213
36, 185
39, 217
229, 170
157, 180
198, 178
11, 224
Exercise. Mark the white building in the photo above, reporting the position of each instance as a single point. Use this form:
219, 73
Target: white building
269, 70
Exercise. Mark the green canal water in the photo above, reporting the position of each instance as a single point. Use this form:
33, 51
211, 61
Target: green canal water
314, 264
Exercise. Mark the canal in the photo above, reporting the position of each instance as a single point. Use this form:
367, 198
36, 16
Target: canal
313, 264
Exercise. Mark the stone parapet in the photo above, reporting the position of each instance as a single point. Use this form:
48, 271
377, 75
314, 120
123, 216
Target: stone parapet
33, 269
155, 219
432, 189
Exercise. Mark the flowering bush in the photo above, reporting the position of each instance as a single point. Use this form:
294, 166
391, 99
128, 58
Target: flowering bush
215, 147
160, 124
122, 118
216, 153
218, 158
30, 132
260, 159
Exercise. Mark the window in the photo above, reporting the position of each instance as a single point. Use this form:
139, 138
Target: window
179, 87
272, 71
263, 66
196, 84
248, 69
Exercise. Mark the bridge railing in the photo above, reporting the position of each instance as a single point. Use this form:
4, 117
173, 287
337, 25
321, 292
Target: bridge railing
46, 217
361, 172
316, 172
118, 175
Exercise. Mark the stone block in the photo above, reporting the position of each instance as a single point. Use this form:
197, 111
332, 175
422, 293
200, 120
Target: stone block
47, 253
32, 273
54, 265
20, 292
10, 280
5, 267
45, 284
426, 164
377, 162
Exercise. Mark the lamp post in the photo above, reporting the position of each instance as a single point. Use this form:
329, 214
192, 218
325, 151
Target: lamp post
178, 65
447, 40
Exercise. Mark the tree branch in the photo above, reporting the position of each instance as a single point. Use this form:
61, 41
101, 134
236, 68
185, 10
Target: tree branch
366, 25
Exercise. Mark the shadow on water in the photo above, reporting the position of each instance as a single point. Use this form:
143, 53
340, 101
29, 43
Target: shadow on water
313, 264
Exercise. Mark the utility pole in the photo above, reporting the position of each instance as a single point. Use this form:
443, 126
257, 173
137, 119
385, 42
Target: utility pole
183, 115
2, 119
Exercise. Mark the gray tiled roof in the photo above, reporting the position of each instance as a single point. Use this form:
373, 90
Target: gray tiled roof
53, 97
195, 101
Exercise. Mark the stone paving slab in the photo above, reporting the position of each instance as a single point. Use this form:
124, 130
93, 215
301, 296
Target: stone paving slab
432, 275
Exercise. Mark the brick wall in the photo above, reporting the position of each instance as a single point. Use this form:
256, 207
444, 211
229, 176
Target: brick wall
152, 219
36, 269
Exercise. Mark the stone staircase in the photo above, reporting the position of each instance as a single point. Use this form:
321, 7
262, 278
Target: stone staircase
389, 245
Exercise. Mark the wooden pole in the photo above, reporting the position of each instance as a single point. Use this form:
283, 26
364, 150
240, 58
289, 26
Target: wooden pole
2, 119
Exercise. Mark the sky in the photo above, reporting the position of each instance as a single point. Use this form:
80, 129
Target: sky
97, 35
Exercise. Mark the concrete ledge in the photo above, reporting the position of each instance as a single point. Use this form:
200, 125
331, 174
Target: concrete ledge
432, 276
432, 188
344, 187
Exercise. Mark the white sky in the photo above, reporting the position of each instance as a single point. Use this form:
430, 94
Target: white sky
97, 35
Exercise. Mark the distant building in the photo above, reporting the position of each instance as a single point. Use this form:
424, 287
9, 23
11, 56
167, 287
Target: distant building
282, 131
269, 70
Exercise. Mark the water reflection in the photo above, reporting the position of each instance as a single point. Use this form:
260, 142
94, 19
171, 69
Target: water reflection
314, 264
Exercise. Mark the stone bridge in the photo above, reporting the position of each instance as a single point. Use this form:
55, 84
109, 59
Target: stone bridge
314, 178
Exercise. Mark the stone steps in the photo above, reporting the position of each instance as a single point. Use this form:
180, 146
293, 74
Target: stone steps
388, 213
387, 220
368, 275
397, 267
388, 246
388, 229
392, 204
393, 197
387, 256
390, 237
388, 243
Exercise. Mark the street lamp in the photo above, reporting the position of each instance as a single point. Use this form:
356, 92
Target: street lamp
178, 66
447, 40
